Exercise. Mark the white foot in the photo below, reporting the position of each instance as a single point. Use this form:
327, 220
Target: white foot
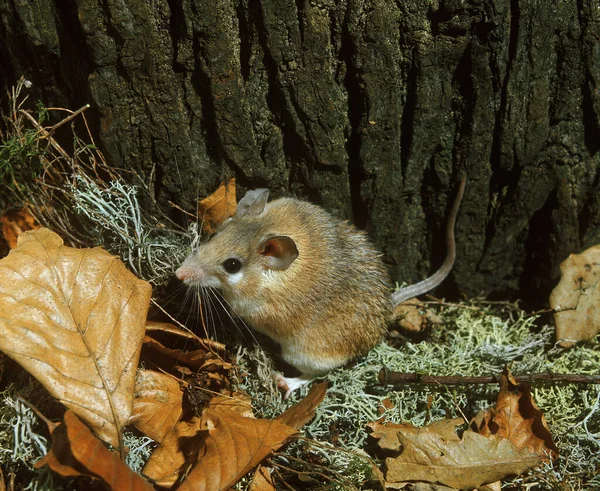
290, 384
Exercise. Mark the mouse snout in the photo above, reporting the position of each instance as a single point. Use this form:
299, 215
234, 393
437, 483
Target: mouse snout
185, 273
197, 276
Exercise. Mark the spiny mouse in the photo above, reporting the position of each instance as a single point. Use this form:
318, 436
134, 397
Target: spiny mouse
311, 282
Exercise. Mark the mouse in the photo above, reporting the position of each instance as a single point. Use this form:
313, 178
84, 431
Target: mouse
311, 282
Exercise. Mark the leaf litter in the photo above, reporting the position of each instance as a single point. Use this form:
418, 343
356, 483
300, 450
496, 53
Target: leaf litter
474, 340
159, 398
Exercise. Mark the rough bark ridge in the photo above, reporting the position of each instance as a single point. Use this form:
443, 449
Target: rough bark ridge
369, 107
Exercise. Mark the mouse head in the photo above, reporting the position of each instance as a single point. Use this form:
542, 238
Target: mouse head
244, 252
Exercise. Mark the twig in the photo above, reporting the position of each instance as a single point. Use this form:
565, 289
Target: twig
310, 473
397, 379
176, 206
435, 301
539, 312
170, 328
45, 133
70, 117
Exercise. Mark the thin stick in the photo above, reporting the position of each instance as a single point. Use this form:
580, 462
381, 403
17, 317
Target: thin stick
45, 133
70, 117
397, 379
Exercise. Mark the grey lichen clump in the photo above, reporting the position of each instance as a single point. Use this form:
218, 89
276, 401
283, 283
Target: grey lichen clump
21, 441
150, 249
475, 340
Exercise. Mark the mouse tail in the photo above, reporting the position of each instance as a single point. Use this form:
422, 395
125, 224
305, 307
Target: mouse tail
440, 275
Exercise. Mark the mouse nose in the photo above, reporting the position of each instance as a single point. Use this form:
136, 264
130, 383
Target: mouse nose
183, 273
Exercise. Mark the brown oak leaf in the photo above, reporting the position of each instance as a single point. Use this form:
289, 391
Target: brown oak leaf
575, 298
14, 223
218, 207
436, 454
157, 404
217, 449
75, 319
77, 452
517, 418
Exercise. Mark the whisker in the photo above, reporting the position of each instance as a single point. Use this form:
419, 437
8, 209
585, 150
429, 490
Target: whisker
228, 309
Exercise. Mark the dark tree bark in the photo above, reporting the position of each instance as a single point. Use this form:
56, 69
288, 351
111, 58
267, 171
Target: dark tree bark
370, 108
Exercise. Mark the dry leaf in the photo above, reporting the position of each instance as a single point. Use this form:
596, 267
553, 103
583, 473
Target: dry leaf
575, 298
75, 319
517, 418
420, 486
435, 454
493, 486
168, 459
218, 207
414, 316
157, 404
77, 452
200, 359
302, 412
239, 402
234, 445
14, 223
228, 443
262, 480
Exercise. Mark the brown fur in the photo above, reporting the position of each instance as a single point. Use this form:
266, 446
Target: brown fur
328, 307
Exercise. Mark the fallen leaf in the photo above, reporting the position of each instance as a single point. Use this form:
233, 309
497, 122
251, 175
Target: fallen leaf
228, 444
517, 418
14, 223
239, 402
157, 404
200, 359
170, 457
303, 411
420, 486
414, 316
218, 207
77, 452
75, 319
436, 454
234, 445
168, 460
262, 480
575, 298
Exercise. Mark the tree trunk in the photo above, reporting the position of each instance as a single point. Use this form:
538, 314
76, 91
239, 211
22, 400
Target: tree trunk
370, 108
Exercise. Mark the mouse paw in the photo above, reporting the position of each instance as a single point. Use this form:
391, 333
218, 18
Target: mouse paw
290, 384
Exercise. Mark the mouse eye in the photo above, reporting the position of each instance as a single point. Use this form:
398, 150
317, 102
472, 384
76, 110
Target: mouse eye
232, 265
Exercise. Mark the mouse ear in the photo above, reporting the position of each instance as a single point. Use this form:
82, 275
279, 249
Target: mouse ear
279, 252
253, 203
